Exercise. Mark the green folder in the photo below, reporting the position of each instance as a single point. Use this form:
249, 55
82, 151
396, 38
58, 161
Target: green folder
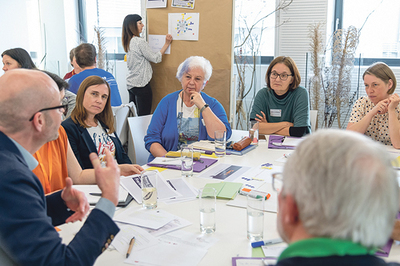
225, 190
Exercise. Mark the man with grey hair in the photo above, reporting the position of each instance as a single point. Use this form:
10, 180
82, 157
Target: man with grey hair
30, 115
338, 201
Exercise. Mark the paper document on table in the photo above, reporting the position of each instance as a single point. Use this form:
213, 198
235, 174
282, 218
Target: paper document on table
250, 261
226, 172
175, 224
167, 161
153, 219
274, 250
187, 191
195, 240
142, 238
292, 141
164, 190
168, 254
93, 193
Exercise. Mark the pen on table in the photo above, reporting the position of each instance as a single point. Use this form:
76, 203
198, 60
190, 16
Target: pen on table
266, 242
286, 155
203, 152
381, 251
252, 195
130, 247
95, 194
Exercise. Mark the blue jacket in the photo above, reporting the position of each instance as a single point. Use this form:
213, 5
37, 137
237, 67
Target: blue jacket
82, 144
76, 80
163, 127
27, 220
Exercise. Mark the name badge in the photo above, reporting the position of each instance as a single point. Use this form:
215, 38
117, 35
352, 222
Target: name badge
276, 112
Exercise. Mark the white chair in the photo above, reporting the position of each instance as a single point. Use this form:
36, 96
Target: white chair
138, 128
121, 114
313, 119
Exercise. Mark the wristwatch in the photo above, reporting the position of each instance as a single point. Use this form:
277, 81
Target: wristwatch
204, 107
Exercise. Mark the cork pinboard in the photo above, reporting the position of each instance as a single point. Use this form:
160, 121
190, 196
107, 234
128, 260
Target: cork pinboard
215, 44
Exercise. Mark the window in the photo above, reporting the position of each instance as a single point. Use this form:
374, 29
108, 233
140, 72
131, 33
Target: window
109, 15
380, 35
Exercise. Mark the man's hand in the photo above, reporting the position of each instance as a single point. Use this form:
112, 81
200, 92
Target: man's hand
75, 201
130, 169
107, 178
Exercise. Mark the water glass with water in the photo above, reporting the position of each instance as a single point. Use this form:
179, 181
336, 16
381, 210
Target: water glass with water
149, 189
253, 132
186, 160
255, 217
207, 203
220, 142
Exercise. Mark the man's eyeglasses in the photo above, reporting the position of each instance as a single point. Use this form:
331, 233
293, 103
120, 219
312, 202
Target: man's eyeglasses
64, 106
282, 76
277, 182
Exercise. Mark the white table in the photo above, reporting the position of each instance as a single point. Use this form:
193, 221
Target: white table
230, 221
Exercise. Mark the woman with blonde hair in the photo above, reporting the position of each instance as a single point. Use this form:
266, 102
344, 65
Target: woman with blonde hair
91, 125
377, 114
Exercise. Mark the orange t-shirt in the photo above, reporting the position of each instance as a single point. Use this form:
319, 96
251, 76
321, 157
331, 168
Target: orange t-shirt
52, 168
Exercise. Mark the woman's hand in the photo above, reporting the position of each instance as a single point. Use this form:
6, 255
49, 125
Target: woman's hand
262, 119
130, 169
394, 101
381, 107
168, 39
195, 98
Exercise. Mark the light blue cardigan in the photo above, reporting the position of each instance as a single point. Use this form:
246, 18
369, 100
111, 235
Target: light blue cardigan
163, 127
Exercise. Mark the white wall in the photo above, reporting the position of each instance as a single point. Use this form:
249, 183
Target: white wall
45, 27
14, 25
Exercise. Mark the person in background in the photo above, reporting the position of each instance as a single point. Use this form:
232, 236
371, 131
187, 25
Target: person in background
282, 107
91, 125
85, 55
139, 56
17, 58
27, 233
56, 160
75, 68
187, 115
338, 200
377, 114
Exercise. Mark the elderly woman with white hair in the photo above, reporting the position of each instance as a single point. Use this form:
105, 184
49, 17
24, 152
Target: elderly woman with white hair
187, 115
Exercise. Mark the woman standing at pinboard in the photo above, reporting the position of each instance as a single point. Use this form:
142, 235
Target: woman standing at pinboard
139, 55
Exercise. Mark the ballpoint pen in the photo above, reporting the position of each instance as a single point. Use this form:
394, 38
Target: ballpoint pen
130, 247
266, 242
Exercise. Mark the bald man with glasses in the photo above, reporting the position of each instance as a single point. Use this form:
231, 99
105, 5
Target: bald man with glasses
30, 116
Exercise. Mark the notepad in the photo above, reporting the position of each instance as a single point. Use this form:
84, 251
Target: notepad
225, 190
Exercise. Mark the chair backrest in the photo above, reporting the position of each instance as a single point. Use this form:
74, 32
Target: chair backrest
138, 128
121, 114
313, 119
